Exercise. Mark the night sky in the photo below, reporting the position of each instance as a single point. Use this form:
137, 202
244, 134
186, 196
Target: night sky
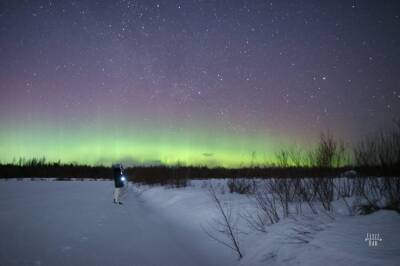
199, 82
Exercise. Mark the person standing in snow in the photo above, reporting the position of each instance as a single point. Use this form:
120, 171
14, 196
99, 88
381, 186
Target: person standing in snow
119, 179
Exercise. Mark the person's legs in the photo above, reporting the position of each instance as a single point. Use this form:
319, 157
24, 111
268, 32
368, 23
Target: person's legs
116, 194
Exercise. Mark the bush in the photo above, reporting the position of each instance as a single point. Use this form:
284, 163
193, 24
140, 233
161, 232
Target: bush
240, 185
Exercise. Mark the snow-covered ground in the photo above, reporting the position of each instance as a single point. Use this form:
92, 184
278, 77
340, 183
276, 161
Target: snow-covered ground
76, 223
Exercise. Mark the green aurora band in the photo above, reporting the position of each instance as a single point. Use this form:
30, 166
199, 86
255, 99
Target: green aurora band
141, 145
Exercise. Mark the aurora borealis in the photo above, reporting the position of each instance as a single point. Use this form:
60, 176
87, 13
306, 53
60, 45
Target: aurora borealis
195, 82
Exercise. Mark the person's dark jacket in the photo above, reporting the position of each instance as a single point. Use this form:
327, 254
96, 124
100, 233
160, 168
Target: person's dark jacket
118, 174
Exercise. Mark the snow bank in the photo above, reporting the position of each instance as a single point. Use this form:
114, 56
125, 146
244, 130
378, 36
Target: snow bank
297, 240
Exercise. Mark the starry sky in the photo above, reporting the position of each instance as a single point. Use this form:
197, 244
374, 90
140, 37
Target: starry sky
196, 82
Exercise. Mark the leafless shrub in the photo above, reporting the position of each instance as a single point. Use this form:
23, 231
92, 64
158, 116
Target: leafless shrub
290, 157
328, 153
266, 204
296, 156
305, 193
282, 189
226, 226
273, 195
392, 193
324, 190
379, 193
255, 220
240, 185
365, 153
381, 150
344, 189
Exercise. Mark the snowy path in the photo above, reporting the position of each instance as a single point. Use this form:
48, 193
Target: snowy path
75, 223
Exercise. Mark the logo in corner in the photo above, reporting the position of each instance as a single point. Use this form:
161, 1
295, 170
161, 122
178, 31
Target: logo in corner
373, 239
